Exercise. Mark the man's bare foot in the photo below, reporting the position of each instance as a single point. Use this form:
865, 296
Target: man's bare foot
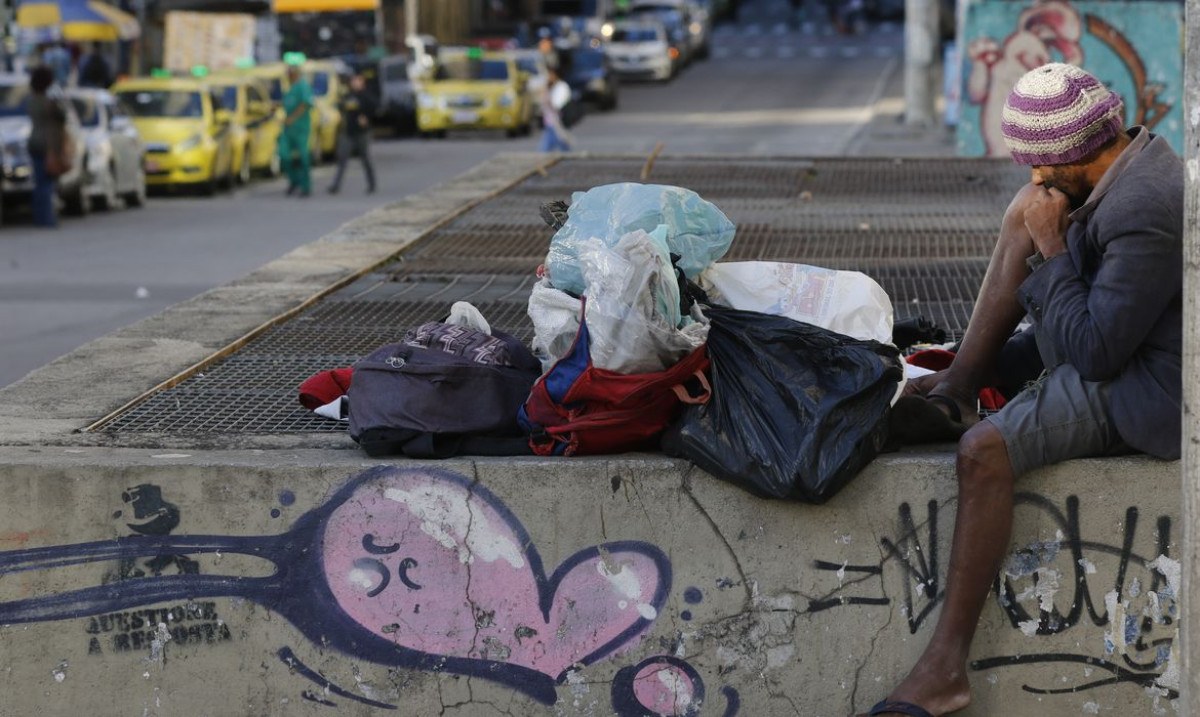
937, 690
921, 385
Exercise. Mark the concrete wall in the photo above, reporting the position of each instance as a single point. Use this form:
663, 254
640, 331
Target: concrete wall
1133, 47
295, 583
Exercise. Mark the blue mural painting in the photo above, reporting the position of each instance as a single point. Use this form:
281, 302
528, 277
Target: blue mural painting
1133, 47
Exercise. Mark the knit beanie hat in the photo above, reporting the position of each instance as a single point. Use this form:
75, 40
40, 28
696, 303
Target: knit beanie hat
1058, 114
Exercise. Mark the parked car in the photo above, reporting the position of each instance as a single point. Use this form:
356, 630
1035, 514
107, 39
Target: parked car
674, 17
114, 150
187, 142
640, 49
326, 79
255, 124
470, 89
17, 183
592, 79
397, 93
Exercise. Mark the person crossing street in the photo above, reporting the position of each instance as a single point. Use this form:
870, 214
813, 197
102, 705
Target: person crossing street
297, 128
357, 108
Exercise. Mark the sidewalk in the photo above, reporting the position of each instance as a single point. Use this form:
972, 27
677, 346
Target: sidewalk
886, 135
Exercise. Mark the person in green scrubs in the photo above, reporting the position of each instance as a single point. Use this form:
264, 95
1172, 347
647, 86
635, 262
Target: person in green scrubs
297, 127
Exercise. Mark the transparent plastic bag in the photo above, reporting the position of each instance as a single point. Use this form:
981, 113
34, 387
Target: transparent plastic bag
697, 231
633, 309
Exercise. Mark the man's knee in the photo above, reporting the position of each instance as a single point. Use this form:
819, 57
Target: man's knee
982, 453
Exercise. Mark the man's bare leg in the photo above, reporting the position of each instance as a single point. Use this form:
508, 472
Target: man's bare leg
996, 315
982, 528
983, 524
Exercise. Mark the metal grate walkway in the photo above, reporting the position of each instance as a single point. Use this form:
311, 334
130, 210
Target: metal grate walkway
923, 229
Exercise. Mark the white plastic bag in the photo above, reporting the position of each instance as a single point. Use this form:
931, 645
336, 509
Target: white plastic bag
848, 302
463, 313
555, 317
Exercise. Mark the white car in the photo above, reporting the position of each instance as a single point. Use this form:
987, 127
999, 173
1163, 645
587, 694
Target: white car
114, 150
640, 50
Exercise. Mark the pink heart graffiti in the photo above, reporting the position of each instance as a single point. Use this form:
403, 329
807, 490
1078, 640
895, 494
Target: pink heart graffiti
438, 566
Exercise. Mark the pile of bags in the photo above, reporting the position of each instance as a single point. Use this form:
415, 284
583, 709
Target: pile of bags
774, 376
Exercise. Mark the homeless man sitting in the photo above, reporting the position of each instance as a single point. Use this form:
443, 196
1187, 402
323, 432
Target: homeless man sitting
1091, 251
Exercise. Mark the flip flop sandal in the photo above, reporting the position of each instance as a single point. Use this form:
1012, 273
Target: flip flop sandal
899, 707
917, 419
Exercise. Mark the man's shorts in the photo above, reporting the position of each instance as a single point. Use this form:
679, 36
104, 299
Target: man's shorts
1058, 417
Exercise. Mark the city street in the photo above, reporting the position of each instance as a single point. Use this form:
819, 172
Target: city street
772, 87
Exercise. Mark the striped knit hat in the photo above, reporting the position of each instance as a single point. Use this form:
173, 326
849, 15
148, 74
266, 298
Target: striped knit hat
1058, 114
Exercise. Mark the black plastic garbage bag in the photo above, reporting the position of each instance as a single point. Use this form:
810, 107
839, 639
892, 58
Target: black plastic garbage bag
796, 410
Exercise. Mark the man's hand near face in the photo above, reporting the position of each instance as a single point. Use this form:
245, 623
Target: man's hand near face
1046, 219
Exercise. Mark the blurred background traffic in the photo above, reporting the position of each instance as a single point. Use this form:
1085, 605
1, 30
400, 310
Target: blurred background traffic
183, 100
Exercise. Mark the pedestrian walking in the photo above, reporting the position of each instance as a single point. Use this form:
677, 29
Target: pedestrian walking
357, 108
47, 144
555, 95
297, 129
94, 70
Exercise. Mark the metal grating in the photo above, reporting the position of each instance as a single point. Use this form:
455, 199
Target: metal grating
923, 229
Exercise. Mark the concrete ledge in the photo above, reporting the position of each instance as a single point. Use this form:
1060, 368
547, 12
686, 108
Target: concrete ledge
753, 607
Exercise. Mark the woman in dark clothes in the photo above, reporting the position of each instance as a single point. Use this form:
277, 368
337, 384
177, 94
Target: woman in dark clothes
47, 133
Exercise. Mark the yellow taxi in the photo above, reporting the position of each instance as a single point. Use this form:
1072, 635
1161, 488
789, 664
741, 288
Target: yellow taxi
274, 75
324, 76
473, 89
187, 139
256, 123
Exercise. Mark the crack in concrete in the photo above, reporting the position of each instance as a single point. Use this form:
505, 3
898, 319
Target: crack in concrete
686, 486
475, 609
638, 494
871, 651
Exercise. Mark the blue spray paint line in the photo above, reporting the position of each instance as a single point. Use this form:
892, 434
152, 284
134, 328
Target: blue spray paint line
733, 701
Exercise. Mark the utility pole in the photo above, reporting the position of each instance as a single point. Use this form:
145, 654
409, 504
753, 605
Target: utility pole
140, 66
1190, 628
411, 11
920, 53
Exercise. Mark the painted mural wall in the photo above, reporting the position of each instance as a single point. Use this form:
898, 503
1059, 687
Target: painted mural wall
694, 599
1136, 48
